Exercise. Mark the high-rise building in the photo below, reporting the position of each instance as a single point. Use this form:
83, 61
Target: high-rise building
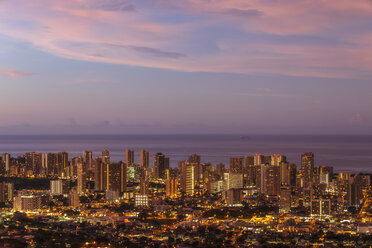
220, 169
144, 180
194, 158
198, 170
188, 178
232, 180
6, 192
285, 199
29, 161
105, 156
261, 178
56, 187
74, 198
129, 157
34, 162
273, 180
307, 168
71, 171
277, 159
62, 163
6, 161
233, 196
171, 187
161, 163
248, 171
250, 175
81, 177
51, 164
249, 160
215, 186
98, 174
320, 207
237, 165
111, 176
144, 158
288, 174
27, 202
354, 195
206, 172
258, 159
266, 160
88, 159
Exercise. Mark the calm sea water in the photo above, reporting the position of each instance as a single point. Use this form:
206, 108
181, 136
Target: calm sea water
350, 153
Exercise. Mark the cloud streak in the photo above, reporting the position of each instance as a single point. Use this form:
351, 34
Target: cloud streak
14, 73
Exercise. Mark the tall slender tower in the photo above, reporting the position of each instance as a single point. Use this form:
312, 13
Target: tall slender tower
98, 174
129, 157
6, 161
105, 156
144, 159
88, 159
62, 163
187, 177
81, 177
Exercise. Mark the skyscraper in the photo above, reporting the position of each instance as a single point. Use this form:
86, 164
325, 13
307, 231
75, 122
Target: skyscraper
51, 164
144, 159
81, 177
56, 187
171, 187
232, 180
105, 156
258, 159
307, 168
129, 157
34, 162
261, 178
6, 161
6, 191
110, 176
188, 178
98, 174
62, 163
194, 158
198, 170
220, 168
250, 175
161, 163
288, 174
88, 159
237, 165
277, 159
273, 180
74, 199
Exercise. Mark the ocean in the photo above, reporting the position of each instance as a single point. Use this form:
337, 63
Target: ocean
344, 152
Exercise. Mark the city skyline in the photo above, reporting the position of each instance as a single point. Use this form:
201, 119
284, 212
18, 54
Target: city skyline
233, 66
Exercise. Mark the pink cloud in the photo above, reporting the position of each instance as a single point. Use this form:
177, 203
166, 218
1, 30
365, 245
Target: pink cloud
118, 31
14, 74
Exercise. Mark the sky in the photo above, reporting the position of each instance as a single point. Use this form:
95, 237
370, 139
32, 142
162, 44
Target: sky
190, 66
